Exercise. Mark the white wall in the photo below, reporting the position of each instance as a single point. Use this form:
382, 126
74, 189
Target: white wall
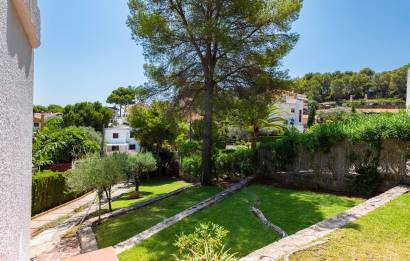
16, 125
285, 111
123, 135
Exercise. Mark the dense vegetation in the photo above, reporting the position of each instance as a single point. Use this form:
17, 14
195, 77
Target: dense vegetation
340, 85
50, 189
54, 144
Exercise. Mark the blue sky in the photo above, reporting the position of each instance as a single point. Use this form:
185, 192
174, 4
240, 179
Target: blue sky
87, 50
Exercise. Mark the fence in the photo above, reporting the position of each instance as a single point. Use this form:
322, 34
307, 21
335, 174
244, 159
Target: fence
335, 169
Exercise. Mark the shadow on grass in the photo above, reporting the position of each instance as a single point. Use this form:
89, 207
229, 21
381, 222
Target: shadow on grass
143, 194
120, 228
290, 210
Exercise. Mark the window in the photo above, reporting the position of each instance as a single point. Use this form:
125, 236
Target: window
115, 148
300, 115
292, 110
36, 124
115, 135
132, 147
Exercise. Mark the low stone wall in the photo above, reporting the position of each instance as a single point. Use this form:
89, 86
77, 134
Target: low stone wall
335, 169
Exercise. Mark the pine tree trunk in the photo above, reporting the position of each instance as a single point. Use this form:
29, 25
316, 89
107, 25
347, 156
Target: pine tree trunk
207, 137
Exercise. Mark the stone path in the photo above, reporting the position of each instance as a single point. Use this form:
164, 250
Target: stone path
48, 245
123, 246
305, 237
54, 214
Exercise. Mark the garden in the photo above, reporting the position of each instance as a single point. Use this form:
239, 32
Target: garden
221, 172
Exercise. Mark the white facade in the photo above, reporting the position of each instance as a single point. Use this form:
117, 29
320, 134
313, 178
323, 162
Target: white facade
292, 111
19, 34
119, 139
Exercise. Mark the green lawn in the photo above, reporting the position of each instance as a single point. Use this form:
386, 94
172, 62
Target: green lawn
291, 210
148, 190
118, 229
383, 234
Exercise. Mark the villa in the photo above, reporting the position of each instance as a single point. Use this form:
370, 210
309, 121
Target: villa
292, 110
118, 139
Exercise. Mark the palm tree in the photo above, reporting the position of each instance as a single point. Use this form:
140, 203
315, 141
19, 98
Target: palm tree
254, 114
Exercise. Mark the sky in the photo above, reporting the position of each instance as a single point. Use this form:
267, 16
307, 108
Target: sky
87, 50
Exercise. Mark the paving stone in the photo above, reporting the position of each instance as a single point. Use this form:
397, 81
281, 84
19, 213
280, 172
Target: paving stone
49, 245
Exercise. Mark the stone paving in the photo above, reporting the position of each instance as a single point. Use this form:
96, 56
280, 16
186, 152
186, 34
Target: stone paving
49, 245
123, 246
306, 237
49, 216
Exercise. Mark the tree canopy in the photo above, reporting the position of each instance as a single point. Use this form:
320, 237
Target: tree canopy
198, 49
52, 144
153, 125
324, 87
122, 97
87, 114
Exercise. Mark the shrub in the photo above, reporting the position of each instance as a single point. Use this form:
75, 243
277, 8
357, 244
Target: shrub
49, 189
240, 162
204, 244
367, 181
191, 166
56, 145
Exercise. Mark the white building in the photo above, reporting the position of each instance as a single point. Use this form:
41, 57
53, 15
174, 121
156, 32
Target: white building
292, 111
118, 139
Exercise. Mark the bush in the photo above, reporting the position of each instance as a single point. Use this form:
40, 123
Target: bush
205, 244
63, 145
240, 162
266, 139
191, 166
367, 181
167, 164
49, 189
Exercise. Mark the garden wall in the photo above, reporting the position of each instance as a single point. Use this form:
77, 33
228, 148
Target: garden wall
335, 169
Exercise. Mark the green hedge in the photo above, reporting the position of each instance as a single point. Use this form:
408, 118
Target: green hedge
49, 190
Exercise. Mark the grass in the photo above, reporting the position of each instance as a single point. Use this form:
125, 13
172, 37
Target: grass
291, 210
381, 235
118, 229
148, 190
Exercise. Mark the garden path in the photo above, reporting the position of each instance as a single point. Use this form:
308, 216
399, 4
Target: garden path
306, 237
49, 245
58, 212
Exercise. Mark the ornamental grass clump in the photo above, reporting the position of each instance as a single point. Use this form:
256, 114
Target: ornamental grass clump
204, 244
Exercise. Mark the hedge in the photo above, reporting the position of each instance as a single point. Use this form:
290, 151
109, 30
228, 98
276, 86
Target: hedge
49, 190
